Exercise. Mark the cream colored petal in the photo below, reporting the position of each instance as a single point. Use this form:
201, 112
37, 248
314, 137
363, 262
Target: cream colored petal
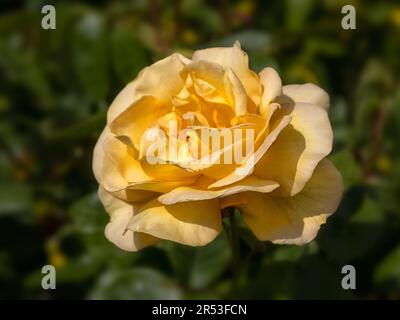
238, 92
137, 118
116, 230
98, 154
208, 80
205, 162
161, 186
144, 191
198, 192
236, 59
107, 172
295, 220
111, 204
247, 168
104, 167
305, 93
161, 80
293, 157
167, 172
194, 223
116, 167
124, 176
122, 101
135, 195
234, 200
217, 84
272, 87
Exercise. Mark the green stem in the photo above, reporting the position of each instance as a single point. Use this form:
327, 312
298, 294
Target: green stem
234, 242
231, 230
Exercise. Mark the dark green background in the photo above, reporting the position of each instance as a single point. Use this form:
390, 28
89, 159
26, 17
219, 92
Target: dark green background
55, 86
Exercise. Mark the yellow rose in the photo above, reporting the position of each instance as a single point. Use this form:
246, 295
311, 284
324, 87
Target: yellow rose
284, 187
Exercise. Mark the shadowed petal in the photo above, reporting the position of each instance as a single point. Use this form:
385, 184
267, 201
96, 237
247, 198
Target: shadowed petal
295, 220
194, 223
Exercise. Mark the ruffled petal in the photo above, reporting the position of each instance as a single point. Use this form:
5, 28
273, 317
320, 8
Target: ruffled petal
137, 118
305, 93
295, 220
194, 223
160, 80
199, 190
236, 59
247, 167
298, 149
272, 88
116, 230
217, 84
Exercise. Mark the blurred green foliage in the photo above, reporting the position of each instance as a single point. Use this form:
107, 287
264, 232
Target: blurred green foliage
55, 86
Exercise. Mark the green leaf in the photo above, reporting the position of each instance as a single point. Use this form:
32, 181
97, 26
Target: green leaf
129, 54
331, 47
297, 12
347, 237
207, 18
250, 40
21, 66
199, 266
348, 167
288, 253
88, 215
89, 220
84, 128
14, 197
269, 282
90, 55
315, 278
387, 274
138, 283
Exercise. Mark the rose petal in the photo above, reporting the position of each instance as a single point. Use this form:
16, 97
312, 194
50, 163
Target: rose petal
298, 149
272, 88
217, 84
194, 223
295, 220
116, 230
199, 192
236, 59
118, 168
161, 80
305, 93
247, 168
137, 118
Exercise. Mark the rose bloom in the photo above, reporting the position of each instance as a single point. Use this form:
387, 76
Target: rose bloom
284, 192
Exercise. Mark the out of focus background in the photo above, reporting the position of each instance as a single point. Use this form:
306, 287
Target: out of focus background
56, 85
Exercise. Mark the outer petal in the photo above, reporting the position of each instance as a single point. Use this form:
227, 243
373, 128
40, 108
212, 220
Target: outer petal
161, 80
138, 117
160, 186
110, 157
305, 93
117, 168
236, 59
272, 88
98, 154
298, 149
116, 230
295, 220
193, 223
123, 176
200, 192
